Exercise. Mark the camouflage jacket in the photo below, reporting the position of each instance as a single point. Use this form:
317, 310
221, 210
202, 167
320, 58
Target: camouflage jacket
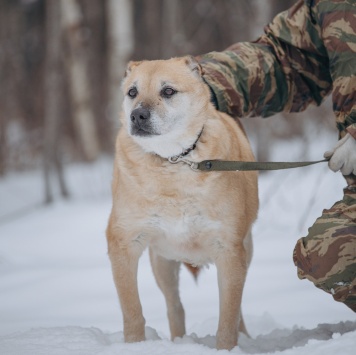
306, 53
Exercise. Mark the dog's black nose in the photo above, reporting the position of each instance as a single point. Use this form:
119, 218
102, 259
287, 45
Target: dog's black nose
140, 114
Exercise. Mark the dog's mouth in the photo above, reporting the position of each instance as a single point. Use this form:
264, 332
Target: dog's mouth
142, 130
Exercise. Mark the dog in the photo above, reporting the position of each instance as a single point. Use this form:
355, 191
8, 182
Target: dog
181, 215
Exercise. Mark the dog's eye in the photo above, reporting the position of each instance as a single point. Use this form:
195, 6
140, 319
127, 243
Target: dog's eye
168, 92
132, 93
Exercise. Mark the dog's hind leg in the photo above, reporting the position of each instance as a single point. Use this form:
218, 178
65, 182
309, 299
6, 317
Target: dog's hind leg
231, 267
242, 327
249, 251
167, 276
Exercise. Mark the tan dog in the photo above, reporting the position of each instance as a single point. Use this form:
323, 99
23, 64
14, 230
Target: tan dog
180, 214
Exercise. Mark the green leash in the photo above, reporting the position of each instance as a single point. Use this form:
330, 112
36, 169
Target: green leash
225, 165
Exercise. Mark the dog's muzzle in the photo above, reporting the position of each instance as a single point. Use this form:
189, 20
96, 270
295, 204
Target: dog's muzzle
141, 124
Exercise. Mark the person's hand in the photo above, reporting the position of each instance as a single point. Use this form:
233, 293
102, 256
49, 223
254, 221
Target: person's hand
343, 156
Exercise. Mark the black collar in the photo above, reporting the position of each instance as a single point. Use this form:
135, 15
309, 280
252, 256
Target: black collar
186, 151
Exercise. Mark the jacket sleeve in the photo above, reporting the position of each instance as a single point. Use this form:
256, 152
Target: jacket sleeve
286, 69
337, 20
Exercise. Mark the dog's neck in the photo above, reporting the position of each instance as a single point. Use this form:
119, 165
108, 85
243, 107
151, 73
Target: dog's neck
186, 151
169, 146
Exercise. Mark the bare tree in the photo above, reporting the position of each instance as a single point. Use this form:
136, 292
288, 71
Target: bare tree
279, 6
75, 35
173, 32
96, 24
3, 121
121, 43
53, 101
3, 144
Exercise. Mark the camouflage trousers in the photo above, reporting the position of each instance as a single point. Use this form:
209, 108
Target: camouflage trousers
327, 255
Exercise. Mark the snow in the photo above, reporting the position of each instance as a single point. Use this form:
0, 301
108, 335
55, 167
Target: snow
57, 295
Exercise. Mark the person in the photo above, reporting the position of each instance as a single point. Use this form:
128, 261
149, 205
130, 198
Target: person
306, 53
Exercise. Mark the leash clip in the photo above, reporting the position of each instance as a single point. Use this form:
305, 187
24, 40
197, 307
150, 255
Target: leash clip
180, 159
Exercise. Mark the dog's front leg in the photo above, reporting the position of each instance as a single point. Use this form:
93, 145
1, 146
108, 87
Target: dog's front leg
231, 267
124, 263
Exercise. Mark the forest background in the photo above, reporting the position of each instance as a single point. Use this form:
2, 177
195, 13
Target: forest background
61, 64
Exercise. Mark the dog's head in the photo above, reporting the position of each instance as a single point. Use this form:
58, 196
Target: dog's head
165, 104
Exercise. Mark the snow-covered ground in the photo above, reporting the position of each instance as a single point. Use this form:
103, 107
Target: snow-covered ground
57, 295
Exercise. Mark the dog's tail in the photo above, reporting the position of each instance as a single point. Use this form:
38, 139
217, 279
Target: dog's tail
194, 270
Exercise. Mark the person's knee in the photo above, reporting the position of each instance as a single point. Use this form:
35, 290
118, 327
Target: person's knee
345, 293
327, 255
329, 265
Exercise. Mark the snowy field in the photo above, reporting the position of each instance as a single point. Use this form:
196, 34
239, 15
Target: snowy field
57, 295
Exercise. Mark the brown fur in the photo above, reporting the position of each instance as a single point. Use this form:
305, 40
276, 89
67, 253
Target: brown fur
181, 215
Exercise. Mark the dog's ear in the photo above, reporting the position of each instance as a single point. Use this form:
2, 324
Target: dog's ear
130, 66
194, 65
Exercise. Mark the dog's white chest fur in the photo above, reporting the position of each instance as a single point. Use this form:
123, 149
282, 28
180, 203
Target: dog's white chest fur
181, 231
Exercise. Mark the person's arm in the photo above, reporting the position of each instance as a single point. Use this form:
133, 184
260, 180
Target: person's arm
337, 21
284, 70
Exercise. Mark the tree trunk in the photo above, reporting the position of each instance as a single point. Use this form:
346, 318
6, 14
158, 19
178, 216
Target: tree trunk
121, 43
3, 144
3, 113
53, 100
279, 5
172, 30
79, 86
